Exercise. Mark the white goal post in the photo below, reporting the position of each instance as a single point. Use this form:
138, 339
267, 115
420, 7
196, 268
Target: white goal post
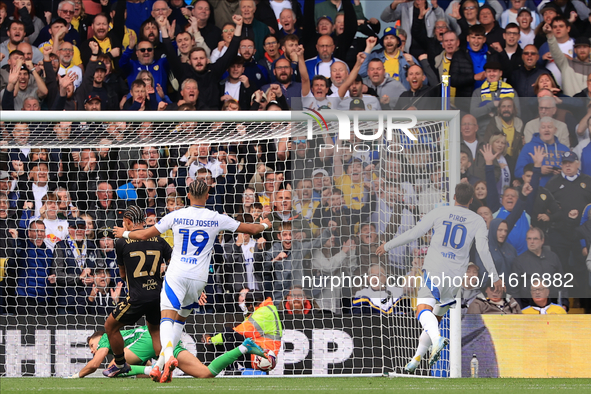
335, 350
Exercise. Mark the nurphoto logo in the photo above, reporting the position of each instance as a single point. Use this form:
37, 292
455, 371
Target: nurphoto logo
393, 121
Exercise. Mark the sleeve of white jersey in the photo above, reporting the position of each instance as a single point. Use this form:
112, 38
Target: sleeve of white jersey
228, 223
481, 240
417, 231
165, 223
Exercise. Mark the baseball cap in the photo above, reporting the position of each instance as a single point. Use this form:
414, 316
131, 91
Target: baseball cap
569, 156
77, 222
550, 7
523, 9
105, 232
4, 175
100, 66
582, 41
357, 104
328, 18
320, 171
59, 20
92, 97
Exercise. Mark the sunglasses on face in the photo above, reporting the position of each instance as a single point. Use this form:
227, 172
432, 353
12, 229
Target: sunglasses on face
142, 50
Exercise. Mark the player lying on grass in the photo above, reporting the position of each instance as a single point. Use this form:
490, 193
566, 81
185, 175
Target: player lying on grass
454, 230
139, 350
195, 230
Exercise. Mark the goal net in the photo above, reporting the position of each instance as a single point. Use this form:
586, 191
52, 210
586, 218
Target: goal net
334, 186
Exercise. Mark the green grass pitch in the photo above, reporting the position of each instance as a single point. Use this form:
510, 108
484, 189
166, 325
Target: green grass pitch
294, 385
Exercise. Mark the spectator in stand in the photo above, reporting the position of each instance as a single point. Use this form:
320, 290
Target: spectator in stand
465, 14
58, 29
20, 79
493, 32
239, 271
512, 52
67, 63
56, 229
93, 80
276, 263
140, 100
396, 62
110, 39
145, 60
320, 65
255, 72
388, 89
283, 74
570, 191
202, 11
523, 78
137, 175
493, 301
33, 269
508, 124
75, 258
410, 14
113, 83
16, 36
526, 32
467, 64
66, 11
485, 99
442, 61
510, 14
554, 149
503, 253
222, 46
509, 201
574, 71
107, 210
540, 295
24, 10
253, 28
207, 75
237, 86
189, 96
536, 261
420, 95
272, 53
101, 298
560, 29
547, 108
297, 303
289, 23
469, 287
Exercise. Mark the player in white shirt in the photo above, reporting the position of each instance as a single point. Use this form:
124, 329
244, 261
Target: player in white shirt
195, 229
454, 230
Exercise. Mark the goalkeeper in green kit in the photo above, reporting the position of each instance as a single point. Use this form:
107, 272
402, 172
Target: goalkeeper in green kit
139, 350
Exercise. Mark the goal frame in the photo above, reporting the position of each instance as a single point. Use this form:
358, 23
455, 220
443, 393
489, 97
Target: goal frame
452, 117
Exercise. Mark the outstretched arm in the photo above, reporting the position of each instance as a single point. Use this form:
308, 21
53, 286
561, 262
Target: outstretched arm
421, 228
361, 56
254, 228
146, 233
93, 364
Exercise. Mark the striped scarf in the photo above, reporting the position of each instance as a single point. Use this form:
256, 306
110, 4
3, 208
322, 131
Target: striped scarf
495, 91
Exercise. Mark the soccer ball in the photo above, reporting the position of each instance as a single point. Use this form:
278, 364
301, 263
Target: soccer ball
265, 364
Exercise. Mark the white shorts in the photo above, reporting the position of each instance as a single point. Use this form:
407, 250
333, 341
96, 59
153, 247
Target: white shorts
181, 294
442, 296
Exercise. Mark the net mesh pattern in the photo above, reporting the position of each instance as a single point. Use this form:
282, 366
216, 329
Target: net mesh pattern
68, 184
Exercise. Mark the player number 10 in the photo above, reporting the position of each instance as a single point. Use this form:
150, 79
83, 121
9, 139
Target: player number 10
451, 233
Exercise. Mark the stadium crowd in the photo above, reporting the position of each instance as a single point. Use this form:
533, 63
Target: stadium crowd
520, 72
